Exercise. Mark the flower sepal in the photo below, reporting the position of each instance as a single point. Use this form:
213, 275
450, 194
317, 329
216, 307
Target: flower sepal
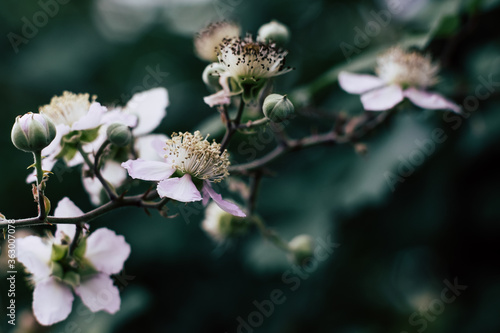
59, 252
72, 278
56, 270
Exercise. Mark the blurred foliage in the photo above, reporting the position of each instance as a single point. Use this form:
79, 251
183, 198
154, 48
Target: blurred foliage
396, 247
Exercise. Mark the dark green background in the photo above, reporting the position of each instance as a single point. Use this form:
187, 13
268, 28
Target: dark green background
396, 247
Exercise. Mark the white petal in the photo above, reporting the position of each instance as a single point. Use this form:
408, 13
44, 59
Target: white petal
92, 119
148, 170
382, 99
359, 83
151, 147
227, 206
98, 293
55, 145
430, 100
67, 208
149, 106
119, 116
107, 251
34, 254
52, 301
180, 189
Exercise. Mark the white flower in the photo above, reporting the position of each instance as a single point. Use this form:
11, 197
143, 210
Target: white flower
144, 112
250, 64
195, 162
400, 74
105, 254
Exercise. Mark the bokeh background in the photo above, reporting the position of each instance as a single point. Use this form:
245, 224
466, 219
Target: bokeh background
395, 246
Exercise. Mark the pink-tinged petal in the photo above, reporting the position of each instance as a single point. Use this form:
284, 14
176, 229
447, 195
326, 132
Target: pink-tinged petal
382, 99
430, 100
206, 195
148, 170
359, 83
92, 119
227, 206
34, 254
180, 189
98, 293
52, 301
219, 98
151, 147
107, 251
149, 106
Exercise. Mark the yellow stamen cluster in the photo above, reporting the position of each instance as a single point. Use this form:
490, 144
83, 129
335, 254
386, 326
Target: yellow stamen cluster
68, 108
194, 155
397, 66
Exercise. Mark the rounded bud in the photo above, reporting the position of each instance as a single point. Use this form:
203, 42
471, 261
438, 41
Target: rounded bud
302, 249
274, 32
32, 132
119, 134
221, 225
211, 75
278, 108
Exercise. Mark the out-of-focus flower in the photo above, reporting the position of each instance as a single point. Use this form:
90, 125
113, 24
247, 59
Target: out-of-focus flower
248, 66
273, 32
207, 42
32, 132
302, 249
400, 74
221, 225
191, 164
56, 272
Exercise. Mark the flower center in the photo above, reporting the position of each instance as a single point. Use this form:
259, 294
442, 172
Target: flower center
194, 155
68, 108
246, 59
407, 68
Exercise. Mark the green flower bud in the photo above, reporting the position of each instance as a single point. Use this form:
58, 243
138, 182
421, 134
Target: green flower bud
278, 108
221, 225
302, 247
32, 132
58, 252
119, 134
211, 75
72, 278
274, 32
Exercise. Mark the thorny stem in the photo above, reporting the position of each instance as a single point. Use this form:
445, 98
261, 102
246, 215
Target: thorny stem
127, 201
40, 185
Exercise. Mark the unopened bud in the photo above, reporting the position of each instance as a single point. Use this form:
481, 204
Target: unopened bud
274, 32
278, 108
32, 132
302, 247
222, 225
211, 75
119, 134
